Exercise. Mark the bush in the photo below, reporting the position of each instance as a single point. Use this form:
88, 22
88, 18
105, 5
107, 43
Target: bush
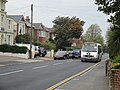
69, 48
116, 63
13, 49
36, 43
113, 40
116, 66
5, 48
48, 45
25, 38
116, 59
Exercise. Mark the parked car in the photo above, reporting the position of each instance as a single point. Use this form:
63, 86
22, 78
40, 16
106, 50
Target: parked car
40, 51
61, 55
70, 54
76, 53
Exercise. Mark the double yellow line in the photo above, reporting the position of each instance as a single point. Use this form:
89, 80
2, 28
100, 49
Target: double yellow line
68, 79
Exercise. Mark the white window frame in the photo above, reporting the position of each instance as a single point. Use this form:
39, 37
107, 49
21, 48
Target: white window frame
42, 34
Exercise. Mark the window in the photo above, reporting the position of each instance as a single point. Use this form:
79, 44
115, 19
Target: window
9, 23
90, 47
9, 39
2, 19
2, 6
99, 49
42, 34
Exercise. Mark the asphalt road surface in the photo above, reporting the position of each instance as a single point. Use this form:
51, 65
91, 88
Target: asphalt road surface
39, 75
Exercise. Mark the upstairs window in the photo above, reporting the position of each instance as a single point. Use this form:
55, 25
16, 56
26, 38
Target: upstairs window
2, 6
9, 23
2, 19
42, 34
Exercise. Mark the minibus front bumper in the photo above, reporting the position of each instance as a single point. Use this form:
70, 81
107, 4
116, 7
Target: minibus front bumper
89, 59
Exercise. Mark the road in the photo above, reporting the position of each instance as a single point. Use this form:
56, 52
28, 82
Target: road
39, 75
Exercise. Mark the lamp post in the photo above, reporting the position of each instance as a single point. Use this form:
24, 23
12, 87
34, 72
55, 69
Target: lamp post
31, 31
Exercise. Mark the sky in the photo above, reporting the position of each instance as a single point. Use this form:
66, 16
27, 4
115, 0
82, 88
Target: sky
45, 11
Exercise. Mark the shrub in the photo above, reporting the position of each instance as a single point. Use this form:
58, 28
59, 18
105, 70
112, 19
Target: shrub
69, 48
36, 43
116, 63
5, 48
116, 59
48, 45
13, 49
113, 40
25, 38
116, 66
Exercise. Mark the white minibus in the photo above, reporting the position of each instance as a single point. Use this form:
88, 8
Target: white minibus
91, 51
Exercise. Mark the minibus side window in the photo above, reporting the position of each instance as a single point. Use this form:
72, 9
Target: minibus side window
99, 49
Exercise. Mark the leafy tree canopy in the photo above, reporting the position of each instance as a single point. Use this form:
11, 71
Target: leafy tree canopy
112, 8
113, 40
67, 28
93, 34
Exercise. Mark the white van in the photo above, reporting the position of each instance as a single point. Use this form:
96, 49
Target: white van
91, 51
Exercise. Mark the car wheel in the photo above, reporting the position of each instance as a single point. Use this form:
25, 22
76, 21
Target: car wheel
43, 55
54, 58
64, 57
82, 60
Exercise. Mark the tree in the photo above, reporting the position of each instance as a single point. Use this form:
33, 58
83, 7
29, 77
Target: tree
112, 8
93, 34
66, 28
25, 38
48, 45
113, 40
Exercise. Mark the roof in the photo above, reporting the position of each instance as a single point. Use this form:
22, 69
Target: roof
38, 25
49, 29
29, 24
16, 18
5, 0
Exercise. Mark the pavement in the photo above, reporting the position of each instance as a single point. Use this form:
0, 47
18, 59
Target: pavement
9, 60
94, 79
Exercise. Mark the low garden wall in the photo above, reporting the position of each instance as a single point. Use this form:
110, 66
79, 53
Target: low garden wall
115, 79
114, 76
50, 53
26, 56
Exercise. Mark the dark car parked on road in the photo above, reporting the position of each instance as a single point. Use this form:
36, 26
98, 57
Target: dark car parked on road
40, 51
76, 53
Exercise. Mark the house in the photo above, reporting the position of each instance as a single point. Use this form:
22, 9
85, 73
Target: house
51, 33
77, 43
6, 31
28, 27
19, 19
11, 28
41, 34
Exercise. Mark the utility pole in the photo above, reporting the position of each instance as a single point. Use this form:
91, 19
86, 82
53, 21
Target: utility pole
31, 31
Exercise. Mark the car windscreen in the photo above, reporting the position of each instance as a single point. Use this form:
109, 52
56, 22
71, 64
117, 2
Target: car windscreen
89, 48
60, 52
76, 51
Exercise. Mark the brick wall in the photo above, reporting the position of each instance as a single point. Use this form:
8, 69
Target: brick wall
115, 79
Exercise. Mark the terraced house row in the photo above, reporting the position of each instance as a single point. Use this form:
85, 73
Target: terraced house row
13, 25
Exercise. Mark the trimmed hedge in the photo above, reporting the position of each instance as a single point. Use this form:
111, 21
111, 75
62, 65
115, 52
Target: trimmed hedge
116, 63
13, 49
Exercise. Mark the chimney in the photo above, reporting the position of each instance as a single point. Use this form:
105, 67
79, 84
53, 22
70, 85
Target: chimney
27, 19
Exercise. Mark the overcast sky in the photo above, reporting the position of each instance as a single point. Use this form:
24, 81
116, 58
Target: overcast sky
45, 11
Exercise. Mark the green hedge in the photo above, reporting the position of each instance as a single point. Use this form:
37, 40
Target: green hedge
48, 45
116, 63
13, 49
